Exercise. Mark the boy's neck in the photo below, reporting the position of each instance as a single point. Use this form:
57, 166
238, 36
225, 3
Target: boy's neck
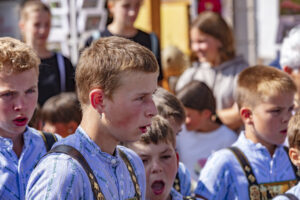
250, 135
122, 30
91, 124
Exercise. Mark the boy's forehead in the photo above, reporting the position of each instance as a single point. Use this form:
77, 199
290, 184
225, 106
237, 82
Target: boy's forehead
151, 148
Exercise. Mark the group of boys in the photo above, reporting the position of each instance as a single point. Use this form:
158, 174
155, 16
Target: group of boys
116, 79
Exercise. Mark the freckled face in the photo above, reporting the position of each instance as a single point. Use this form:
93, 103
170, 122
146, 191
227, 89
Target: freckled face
131, 108
18, 99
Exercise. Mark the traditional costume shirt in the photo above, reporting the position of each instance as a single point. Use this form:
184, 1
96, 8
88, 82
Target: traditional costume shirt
14, 171
224, 178
294, 191
175, 195
183, 180
58, 176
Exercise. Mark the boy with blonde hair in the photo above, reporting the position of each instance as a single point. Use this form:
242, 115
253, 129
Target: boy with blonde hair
21, 147
257, 166
156, 148
115, 81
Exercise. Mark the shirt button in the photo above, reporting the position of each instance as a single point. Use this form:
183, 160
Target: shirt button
122, 192
113, 161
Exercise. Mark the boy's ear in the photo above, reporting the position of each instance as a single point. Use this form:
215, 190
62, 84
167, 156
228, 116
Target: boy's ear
287, 69
294, 156
96, 99
246, 115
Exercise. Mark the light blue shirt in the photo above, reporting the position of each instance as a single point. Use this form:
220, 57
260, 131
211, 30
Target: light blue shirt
185, 180
14, 171
294, 190
175, 195
223, 177
58, 176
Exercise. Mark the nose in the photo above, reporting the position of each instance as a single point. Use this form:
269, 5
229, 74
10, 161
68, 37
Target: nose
287, 117
151, 110
19, 104
156, 167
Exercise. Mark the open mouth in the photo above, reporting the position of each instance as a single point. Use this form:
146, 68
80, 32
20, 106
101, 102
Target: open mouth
144, 129
20, 121
158, 187
284, 132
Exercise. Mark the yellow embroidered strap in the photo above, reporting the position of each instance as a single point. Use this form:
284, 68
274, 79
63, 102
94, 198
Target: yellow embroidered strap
74, 153
176, 184
260, 191
133, 176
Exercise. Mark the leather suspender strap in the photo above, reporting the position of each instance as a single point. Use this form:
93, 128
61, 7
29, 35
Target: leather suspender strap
132, 174
245, 165
49, 139
71, 151
297, 173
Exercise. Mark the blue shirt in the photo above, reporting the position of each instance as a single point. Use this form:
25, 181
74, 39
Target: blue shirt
223, 177
294, 190
185, 180
59, 176
14, 171
175, 195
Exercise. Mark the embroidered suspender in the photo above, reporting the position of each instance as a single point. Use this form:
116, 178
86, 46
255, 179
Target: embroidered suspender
133, 176
260, 191
176, 184
49, 139
71, 151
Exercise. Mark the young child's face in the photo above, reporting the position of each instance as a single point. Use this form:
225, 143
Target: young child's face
125, 12
128, 114
205, 46
195, 120
36, 27
270, 120
18, 99
161, 166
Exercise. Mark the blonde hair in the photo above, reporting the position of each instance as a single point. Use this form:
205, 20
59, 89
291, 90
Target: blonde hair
15, 56
294, 131
105, 61
159, 131
260, 83
33, 6
214, 25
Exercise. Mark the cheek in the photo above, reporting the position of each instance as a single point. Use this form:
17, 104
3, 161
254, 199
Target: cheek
127, 116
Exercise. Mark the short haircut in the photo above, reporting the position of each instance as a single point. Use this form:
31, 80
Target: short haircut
105, 61
197, 95
260, 83
213, 24
294, 131
33, 6
168, 106
16, 57
62, 108
290, 49
159, 131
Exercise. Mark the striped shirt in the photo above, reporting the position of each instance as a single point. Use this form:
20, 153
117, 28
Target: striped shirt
223, 177
14, 171
58, 176
294, 190
185, 180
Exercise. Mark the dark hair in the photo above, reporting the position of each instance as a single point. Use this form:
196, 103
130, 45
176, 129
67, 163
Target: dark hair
197, 95
214, 25
62, 108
